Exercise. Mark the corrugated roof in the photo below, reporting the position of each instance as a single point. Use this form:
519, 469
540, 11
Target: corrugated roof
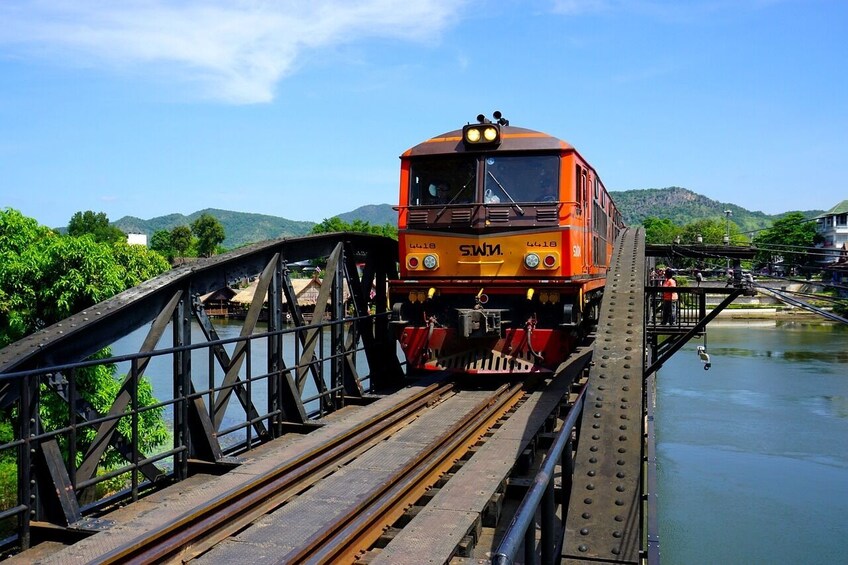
841, 208
306, 291
225, 293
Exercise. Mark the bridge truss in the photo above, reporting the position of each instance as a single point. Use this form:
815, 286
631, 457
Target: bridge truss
226, 397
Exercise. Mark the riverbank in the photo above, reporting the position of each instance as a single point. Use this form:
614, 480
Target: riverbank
767, 313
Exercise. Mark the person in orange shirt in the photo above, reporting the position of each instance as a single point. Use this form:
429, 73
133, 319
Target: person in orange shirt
669, 299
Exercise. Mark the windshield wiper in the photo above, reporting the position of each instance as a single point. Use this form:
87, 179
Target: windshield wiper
455, 196
517, 207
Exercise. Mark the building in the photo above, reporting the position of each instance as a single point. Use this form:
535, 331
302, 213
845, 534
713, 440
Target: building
833, 227
137, 239
306, 291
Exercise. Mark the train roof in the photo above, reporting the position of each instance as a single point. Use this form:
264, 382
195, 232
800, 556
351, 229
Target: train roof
512, 139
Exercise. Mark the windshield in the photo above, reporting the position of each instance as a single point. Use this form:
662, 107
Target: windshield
521, 179
508, 179
443, 181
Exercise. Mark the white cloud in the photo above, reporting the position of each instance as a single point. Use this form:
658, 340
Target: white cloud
234, 50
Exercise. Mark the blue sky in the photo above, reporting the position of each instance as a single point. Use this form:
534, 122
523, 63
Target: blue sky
300, 108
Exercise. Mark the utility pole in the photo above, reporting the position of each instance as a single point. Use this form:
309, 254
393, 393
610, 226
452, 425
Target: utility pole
727, 214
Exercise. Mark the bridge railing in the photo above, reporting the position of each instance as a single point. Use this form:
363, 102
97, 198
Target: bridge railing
541, 499
685, 311
92, 469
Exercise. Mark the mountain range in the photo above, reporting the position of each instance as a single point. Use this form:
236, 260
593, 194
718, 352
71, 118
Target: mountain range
680, 205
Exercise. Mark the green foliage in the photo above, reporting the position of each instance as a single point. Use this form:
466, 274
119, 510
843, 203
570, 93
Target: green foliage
97, 225
209, 233
18, 267
181, 240
336, 224
710, 230
660, 230
102, 386
160, 242
45, 277
138, 263
788, 238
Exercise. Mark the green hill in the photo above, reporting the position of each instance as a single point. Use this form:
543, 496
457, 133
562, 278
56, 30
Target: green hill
683, 206
680, 205
240, 228
374, 214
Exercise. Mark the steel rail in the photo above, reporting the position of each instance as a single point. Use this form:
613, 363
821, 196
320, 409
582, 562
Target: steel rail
221, 516
351, 535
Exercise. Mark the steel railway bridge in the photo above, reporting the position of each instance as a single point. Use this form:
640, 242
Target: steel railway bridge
308, 442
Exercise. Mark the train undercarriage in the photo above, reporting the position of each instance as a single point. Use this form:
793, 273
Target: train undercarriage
494, 328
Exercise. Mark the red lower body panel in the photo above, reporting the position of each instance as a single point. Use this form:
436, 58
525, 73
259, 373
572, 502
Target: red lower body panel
516, 352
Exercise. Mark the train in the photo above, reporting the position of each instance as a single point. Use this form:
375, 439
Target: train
504, 236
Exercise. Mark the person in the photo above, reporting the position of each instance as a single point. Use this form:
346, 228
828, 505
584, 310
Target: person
546, 190
439, 192
669, 299
699, 278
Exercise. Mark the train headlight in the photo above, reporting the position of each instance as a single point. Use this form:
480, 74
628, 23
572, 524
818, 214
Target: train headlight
531, 260
430, 262
482, 135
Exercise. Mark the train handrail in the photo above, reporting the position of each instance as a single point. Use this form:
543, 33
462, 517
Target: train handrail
542, 492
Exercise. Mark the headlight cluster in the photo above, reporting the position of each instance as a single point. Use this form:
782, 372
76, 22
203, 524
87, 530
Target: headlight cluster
429, 261
481, 134
534, 261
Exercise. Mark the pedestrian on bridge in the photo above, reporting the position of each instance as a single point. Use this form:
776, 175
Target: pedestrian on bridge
669, 299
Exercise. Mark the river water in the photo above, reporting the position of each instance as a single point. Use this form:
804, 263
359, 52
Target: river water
753, 454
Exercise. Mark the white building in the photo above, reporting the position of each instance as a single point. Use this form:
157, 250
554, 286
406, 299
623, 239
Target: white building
833, 227
137, 239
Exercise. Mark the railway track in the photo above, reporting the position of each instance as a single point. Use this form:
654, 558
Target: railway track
342, 537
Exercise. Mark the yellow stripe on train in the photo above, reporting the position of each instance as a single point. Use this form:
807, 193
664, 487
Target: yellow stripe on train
548, 254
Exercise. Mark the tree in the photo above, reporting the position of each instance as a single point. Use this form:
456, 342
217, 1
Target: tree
46, 277
789, 239
209, 233
19, 266
138, 263
331, 225
660, 230
181, 240
160, 242
712, 232
336, 224
96, 224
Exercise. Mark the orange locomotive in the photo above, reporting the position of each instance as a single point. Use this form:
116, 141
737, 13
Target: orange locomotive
505, 235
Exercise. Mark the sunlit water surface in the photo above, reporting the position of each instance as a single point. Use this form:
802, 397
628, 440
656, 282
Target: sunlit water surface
753, 454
